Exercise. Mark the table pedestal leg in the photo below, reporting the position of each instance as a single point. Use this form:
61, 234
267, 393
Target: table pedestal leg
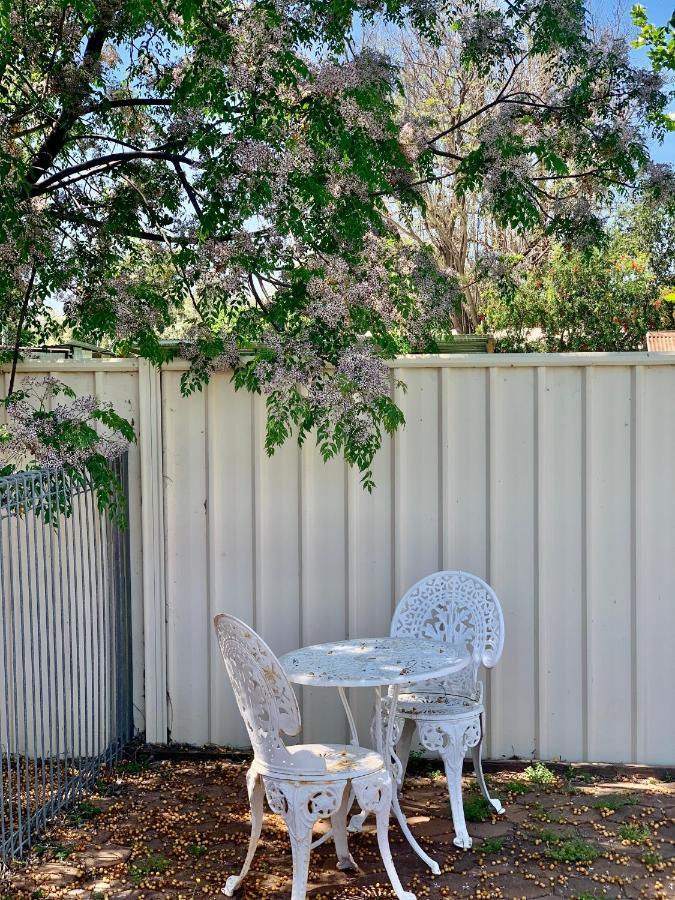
384, 741
354, 741
389, 761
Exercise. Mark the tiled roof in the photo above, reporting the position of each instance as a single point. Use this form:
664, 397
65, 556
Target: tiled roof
661, 341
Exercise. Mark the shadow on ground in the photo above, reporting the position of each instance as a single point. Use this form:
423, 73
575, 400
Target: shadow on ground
176, 829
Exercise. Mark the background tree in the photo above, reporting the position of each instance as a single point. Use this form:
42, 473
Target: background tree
530, 142
243, 156
658, 39
605, 299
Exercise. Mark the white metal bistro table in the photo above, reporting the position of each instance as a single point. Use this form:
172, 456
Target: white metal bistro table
377, 663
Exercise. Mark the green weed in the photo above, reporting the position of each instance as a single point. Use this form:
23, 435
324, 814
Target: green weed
154, 864
517, 786
615, 801
476, 808
491, 845
567, 848
636, 834
133, 767
539, 774
573, 774
425, 768
83, 812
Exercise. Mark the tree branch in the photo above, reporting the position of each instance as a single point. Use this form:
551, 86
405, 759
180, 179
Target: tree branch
19, 329
106, 162
189, 190
498, 99
58, 136
126, 102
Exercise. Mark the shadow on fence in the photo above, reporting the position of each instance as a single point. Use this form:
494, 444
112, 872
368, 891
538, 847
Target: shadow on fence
65, 647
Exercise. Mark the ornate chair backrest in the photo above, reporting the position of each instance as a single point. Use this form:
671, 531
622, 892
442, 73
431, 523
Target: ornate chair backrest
265, 698
459, 608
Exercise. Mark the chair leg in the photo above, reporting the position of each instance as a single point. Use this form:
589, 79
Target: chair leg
255, 799
403, 747
374, 794
452, 740
476, 755
339, 823
453, 773
301, 806
300, 848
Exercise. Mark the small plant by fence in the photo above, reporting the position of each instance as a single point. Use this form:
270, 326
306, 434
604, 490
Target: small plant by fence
65, 647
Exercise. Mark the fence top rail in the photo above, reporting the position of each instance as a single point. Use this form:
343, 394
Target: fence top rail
509, 360
411, 361
530, 360
129, 364
36, 489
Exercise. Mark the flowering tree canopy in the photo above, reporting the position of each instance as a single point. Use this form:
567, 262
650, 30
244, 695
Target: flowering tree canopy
240, 156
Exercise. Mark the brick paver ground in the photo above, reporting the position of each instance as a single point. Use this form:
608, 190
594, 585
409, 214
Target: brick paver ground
177, 829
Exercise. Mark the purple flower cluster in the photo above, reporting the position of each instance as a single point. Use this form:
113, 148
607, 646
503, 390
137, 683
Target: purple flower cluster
367, 67
33, 432
659, 181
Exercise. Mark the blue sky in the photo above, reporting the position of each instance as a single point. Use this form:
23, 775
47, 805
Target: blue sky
658, 12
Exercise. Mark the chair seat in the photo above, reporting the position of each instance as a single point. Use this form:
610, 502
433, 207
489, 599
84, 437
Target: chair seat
425, 704
342, 761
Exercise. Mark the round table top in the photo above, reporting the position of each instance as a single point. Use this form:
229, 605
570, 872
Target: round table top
373, 662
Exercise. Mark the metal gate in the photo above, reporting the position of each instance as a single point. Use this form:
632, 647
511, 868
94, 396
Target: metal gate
65, 647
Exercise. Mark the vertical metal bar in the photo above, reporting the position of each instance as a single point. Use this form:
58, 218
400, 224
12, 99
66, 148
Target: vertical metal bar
74, 665
95, 664
47, 566
30, 581
81, 623
24, 678
15, 690
36, 635
89, 685
12, 520
104, 718
65, 624
6, 802
110, 637
51, 616
81, 639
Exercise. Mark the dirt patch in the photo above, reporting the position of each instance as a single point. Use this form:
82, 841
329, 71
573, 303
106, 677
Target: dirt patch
177, 829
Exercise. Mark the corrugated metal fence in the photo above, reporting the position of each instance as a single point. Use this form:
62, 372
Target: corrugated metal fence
550, 476
65, 656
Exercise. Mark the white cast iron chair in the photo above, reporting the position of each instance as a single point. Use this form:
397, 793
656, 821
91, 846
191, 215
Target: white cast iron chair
449, 714
303, 783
